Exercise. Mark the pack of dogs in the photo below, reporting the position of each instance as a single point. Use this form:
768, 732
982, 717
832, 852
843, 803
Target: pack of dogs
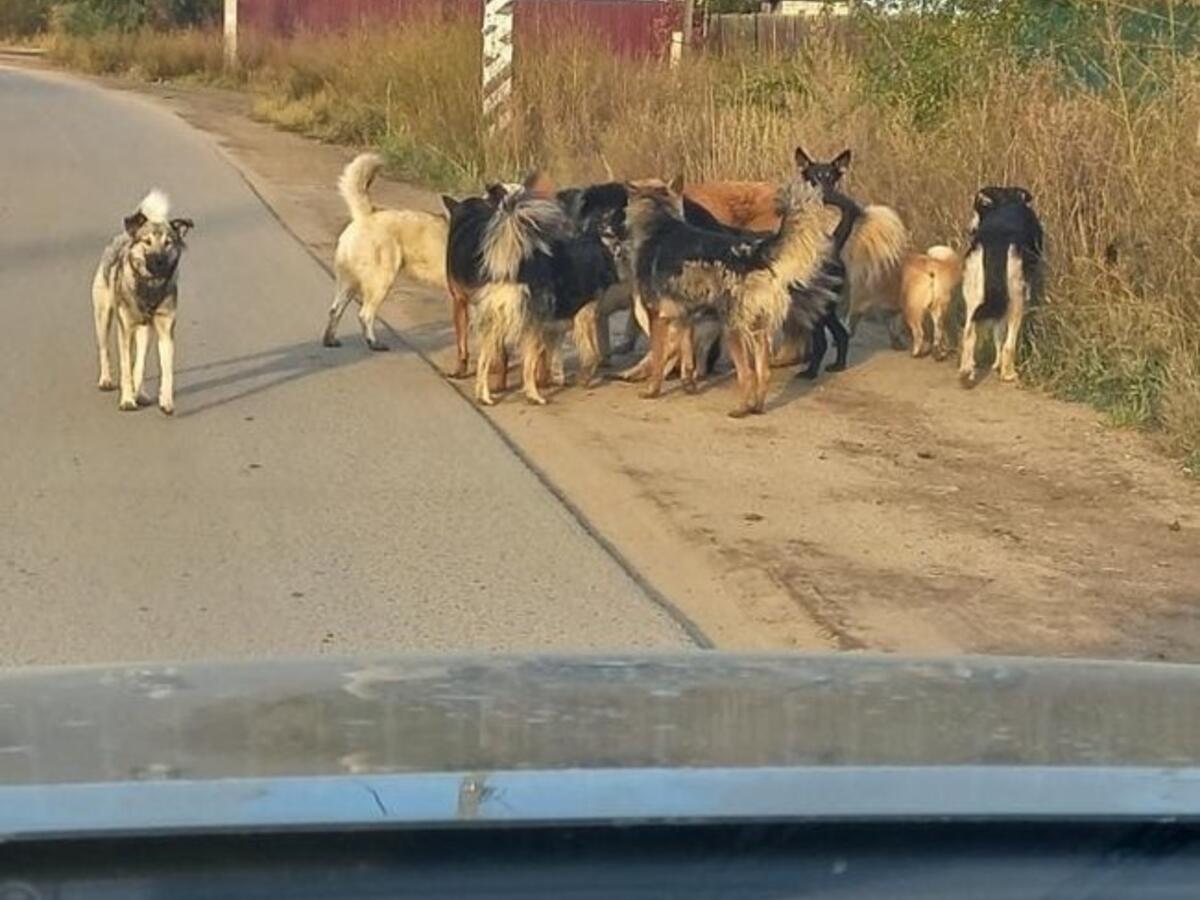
763, 274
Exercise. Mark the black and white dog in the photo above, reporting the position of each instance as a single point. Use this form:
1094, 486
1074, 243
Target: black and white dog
1002, 274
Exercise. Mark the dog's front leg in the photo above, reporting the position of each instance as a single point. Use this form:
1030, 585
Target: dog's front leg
658, 353
125, 330
687, 355
104, 313
762, 369
736, 342
164, 326
141, 341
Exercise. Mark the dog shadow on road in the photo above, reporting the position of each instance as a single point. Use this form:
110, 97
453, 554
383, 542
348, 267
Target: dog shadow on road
228, 380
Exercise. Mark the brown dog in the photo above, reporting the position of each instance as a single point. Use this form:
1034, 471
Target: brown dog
927, 284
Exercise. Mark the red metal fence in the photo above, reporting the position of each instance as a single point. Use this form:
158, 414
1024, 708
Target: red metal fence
632, 27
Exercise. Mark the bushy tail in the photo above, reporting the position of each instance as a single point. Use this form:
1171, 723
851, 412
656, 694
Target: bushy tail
523, 224
155, 206
798, 252
877, 247
355, 184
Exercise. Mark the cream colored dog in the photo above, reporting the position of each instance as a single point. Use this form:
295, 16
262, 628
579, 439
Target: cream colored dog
927, 284
376, 246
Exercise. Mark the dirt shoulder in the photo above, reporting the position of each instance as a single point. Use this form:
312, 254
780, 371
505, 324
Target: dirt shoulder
882, 508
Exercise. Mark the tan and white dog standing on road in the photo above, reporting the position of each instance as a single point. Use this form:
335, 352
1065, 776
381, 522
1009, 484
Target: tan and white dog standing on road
138, 281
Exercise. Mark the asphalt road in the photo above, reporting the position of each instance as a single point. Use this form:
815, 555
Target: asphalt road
302, 500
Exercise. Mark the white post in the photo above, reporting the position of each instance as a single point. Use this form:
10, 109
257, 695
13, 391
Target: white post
231, 33
497, 62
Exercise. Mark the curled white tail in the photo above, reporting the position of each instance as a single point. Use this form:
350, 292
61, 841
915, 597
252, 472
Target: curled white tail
355, 183
156, 206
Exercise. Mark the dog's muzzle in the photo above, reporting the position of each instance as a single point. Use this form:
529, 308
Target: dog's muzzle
160, 266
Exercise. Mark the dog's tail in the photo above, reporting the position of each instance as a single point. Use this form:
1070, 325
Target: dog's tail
997, 259
876, 248
801, 247
156, 206
799, 257
523, 224
355, 184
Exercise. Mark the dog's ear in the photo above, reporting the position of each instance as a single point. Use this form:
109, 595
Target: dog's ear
539, 184
803, 160
676, 185
182, 227
134, 222
450, 203
841, 162
1026, 197
983, 200
496, 193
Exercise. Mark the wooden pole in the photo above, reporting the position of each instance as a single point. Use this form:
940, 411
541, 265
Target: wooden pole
689, 7
497, 63
231, 33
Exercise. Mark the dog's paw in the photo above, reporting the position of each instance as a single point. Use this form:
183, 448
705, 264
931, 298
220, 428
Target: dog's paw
740, 413
836, 367
167, 409
379, 347
536, 401
940, 355
330, 341
966, 377
1008, 377
143, 400
106, 384
128, 404
691, 387
650, 394
486, 401
810, 374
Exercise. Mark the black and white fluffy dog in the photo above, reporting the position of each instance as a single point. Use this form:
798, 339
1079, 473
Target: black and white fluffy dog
1002, 274
541, 276
681, 271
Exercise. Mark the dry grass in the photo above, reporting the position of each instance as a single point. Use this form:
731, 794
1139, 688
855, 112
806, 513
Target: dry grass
1112, 167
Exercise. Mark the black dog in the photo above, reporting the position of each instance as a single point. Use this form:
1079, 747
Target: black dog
1001, 274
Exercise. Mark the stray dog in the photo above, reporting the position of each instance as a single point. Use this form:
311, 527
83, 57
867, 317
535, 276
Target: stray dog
376, 246
138, 280
927, 283
874, 251
832, 281
681, 271
1002, 274
464, 267
539, 275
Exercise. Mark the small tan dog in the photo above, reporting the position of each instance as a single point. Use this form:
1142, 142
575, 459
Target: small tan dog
927, 283
376, 246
